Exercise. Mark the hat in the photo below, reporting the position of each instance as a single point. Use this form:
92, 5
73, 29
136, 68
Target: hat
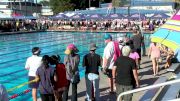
36, 50
92, 46
120, 39
70, 48
107, 36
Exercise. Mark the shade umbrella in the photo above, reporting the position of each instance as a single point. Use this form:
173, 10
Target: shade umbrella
114, 16
159, 16
94, 17
169, 33
5, 16
137, 16
60, 16
77, 17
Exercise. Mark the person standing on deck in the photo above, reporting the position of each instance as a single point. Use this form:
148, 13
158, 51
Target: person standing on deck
46, 76
109, 56
125, 73
91, 62
3, 93
154, 54
62, 82
32, 64
137, 42
71, 62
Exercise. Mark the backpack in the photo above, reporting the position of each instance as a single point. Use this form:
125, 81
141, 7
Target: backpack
117, 51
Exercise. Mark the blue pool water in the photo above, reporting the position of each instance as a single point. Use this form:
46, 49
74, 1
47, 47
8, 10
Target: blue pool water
16, 48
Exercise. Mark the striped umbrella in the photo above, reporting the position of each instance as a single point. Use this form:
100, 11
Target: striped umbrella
169, 33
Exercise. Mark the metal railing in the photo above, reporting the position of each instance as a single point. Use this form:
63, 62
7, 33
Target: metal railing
147, 88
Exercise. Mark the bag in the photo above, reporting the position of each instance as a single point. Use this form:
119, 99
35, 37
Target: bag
117, 52
75, 78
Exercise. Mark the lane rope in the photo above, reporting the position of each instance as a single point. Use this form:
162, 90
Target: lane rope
21, 85
20, 94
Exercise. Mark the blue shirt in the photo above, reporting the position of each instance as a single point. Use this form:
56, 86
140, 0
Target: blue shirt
46, 80
177, 54
3, 93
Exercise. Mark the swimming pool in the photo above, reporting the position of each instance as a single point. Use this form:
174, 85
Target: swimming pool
16, 48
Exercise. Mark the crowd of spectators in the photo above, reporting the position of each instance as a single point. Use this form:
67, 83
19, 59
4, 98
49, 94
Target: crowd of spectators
13, 25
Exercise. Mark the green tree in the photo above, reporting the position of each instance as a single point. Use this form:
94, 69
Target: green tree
120, 3
116, 3
61, 5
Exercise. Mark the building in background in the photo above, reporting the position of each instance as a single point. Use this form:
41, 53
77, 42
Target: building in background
46, 10
20, 7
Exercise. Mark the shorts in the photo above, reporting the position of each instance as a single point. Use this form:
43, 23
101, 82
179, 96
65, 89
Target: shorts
138, 50
109, 73
33, 84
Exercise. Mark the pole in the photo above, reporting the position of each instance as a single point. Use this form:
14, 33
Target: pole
36, 8
26, 7
14, 6
89, 3
20, 7
31, 7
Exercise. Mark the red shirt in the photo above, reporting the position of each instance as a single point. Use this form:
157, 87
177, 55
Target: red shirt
61, 75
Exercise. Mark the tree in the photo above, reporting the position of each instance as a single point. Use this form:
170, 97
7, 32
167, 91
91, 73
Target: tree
61, 5
120, 3
116, 3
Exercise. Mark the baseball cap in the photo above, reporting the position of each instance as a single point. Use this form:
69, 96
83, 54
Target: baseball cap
70, 48
107, 36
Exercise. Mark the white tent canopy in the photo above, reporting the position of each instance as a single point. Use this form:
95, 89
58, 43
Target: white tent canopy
4, 16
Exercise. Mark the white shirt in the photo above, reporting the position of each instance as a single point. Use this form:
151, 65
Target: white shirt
108, 54
32, 64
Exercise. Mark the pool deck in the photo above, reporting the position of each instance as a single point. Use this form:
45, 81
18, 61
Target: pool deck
145, 76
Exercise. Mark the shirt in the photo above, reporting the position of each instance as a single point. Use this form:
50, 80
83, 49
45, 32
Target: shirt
71, 64
124, 70
92, 62
155, 51
33, 63
46, 79
134, 55
137, 41
108, 54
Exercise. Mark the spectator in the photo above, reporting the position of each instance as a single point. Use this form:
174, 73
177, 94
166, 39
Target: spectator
137, 42
62, 82
154, 51
91, 62
109, 56
46, 77
3, 93
134, 55
71, 62
32, 64
125, 74
170, 53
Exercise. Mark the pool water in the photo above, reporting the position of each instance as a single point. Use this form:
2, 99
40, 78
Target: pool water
15, 49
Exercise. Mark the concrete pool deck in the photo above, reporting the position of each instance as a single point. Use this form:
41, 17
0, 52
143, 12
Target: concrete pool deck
145, 76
